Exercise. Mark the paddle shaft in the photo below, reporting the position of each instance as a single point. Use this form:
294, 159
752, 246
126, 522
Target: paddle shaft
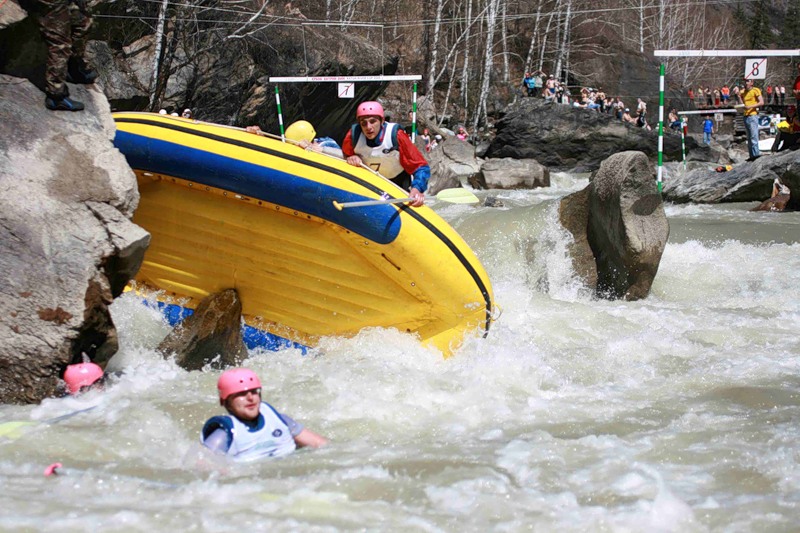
364, 203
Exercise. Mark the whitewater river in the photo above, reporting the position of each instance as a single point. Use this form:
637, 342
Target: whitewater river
680, 412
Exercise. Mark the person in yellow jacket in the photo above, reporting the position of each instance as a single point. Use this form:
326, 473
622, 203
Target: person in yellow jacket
752, 99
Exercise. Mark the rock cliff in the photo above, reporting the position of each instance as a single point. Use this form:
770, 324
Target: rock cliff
67, 246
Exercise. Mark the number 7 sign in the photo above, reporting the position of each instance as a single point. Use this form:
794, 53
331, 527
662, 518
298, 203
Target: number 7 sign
347, 90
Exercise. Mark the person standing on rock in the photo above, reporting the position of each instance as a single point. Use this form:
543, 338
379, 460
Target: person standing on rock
550, 86
252, 429
384, 147
708, 129
64, 25
752, 100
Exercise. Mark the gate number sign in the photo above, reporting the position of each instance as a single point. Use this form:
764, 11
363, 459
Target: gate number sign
755, 68
347, 90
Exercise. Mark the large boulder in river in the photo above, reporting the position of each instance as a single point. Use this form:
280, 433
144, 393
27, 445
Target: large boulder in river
211, 336
67, 246
567, 138
618, 223
510, 173
745, 182
453, 164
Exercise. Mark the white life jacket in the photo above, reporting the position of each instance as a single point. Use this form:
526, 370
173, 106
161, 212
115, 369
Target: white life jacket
269, 437
384, 158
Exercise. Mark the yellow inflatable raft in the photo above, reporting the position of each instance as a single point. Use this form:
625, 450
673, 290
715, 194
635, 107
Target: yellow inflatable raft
229, 209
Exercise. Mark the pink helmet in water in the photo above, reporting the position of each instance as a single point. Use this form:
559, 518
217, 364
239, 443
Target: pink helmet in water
369, 109
237, 380
82, 375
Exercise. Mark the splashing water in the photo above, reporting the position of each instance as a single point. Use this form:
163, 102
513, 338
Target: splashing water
675, 413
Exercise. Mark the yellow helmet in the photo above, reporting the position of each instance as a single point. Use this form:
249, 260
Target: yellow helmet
301, 130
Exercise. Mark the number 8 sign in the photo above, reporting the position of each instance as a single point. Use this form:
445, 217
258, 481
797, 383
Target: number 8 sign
755, 69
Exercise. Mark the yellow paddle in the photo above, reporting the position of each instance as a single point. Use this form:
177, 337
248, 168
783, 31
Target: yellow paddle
456, 195
13, 429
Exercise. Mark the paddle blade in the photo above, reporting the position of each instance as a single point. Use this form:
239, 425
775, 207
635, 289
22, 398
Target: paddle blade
457, 195
13, 430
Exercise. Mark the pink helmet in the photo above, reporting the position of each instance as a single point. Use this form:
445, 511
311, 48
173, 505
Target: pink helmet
82, 375
237, 380
369, 109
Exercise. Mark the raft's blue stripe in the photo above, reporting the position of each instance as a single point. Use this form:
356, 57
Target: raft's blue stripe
379, 223
253, 337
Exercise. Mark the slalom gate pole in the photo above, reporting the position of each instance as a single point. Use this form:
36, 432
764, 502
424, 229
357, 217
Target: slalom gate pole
280, 114
684, 132
660, 170
414, 115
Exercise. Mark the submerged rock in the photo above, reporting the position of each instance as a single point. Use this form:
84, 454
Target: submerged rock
210, 336
67, 246
777, 203
618, 223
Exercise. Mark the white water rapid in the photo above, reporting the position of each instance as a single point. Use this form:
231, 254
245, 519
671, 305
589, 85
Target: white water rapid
680, 412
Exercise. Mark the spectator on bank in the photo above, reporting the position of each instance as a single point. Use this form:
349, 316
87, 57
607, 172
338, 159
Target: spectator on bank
788, 134
708, 129
782, 96
409, 128
709, 96
426, 138
538, 80
626, 117
725, 93
550, 89
674, 121
64, 25
752, 99
641, 108
529, 84
735, 93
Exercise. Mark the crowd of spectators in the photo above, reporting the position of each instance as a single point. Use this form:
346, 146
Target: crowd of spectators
539, 84
704, 97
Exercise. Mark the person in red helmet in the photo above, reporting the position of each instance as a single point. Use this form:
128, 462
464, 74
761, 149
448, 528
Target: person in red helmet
252, 429
387, 149
83, 376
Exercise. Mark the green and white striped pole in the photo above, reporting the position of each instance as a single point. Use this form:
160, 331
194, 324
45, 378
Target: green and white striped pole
660, 127
280, 114
684, 131
414, 115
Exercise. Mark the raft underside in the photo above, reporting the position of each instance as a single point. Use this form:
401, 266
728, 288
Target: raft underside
298, 276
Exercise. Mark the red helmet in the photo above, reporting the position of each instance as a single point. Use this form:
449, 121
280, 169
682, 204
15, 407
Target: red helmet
82, 375
237, 380
370, 109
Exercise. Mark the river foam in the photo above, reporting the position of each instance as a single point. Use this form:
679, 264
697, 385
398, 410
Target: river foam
674, 413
